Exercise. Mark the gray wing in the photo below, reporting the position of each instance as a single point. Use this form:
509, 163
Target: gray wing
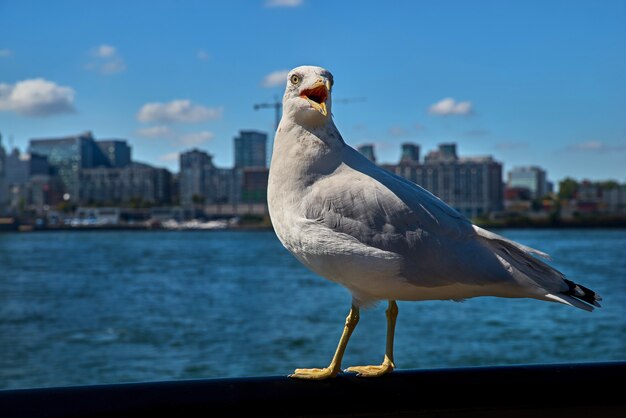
437, 244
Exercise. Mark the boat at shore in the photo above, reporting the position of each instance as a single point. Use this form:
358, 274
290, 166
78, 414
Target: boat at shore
196, 224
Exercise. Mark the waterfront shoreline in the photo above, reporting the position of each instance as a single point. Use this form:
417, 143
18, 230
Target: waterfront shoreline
621, 224
126, 228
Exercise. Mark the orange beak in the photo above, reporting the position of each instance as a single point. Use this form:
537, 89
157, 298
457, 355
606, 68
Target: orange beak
317, 95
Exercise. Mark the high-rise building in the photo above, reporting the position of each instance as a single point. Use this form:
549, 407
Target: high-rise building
43, 190
3, 155
28, 182
4, 189
368, 151
532, 178
250, 149
19, 167
15, 170
200, 181
410, 153
136, 182
445, 152
195, 171
116, 152
226, 185
67, 156
254, 185
472, 185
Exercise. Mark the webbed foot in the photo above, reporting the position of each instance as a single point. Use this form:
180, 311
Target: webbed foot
372, 371
314, 374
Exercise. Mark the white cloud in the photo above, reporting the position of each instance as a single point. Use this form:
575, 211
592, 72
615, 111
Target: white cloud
36, 97
155, 132
283, 3
448, 107
276, 78
190, 139
177, 111
105, 51
588, 146
597, 146
171, 156
114, 66
202, 55
106, 60
5, 53
195, 138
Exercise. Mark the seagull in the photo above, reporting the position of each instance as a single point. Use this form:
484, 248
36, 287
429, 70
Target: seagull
380, 235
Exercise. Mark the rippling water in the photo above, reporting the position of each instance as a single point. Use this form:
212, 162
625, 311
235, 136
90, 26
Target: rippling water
104, 307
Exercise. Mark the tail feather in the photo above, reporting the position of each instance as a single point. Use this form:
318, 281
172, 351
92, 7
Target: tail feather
583, 293
568, 300
536, 275
490, 235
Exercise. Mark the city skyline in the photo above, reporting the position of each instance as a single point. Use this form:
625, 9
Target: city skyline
82, 170
368, 149
529, 83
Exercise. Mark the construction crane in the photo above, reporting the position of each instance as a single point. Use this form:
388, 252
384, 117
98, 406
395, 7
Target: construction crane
277, 105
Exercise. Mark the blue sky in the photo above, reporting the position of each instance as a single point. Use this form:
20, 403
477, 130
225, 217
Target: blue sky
529, 82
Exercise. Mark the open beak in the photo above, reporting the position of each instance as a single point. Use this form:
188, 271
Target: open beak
317, 95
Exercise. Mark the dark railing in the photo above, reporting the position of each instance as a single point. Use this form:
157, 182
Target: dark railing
572, 390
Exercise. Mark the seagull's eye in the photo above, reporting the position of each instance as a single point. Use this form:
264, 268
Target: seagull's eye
295, 79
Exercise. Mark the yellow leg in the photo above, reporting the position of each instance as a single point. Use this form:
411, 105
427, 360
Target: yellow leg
335, 365
387, 366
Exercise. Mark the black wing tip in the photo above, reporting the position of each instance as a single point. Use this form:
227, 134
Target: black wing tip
582, 293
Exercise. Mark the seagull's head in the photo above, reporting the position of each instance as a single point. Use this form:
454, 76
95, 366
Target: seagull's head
307, 95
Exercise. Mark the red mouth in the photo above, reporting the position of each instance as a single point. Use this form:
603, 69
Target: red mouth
317, 94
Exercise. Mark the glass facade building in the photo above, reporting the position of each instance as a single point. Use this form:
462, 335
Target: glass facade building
368, 152
250, 149
115, 153
67, 156
532, 178
410, 153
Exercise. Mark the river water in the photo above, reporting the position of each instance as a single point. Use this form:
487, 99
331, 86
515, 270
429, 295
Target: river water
106, 307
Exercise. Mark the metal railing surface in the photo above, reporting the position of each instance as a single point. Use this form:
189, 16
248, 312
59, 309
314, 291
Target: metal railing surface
573, 390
